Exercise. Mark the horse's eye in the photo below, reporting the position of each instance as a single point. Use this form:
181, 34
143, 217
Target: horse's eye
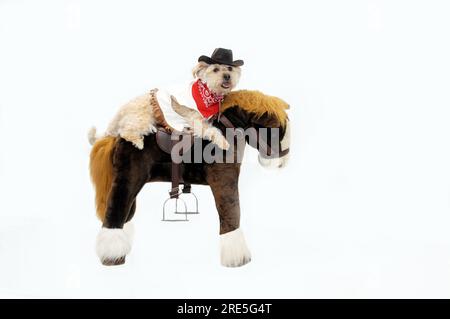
230, 68
216, 70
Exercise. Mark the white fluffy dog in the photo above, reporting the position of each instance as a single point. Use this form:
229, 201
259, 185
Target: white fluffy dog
220, 78
188, 107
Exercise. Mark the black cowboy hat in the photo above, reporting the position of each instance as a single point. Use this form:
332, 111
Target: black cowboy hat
221, 56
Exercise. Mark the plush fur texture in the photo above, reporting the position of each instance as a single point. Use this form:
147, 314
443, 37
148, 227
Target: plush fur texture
128, 228
133, 121
233, 249
115, 159
200, 127
257, 103
221, 79
101, 169
112, 244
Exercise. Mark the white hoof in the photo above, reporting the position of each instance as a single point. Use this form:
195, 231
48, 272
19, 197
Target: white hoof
233, 249
128, 228
273, 163
113, 244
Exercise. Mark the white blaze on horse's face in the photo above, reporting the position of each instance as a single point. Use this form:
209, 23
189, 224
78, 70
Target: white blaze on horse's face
279, 162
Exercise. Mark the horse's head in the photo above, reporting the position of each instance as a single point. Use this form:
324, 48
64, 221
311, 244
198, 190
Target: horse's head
267, 117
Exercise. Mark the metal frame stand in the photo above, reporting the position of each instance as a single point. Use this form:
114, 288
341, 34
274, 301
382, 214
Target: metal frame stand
185, 213
187, 191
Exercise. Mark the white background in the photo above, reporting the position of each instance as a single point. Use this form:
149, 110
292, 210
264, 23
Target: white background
361, 211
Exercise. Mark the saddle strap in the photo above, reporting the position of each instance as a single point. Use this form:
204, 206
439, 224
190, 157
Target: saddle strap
186, 188
174, 192
176, 172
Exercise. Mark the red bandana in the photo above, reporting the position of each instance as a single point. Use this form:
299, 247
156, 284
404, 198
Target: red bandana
208, 103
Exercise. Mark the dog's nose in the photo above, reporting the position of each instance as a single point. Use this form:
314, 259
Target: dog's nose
226, 77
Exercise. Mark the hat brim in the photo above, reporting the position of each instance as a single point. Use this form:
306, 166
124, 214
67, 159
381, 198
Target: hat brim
208, 60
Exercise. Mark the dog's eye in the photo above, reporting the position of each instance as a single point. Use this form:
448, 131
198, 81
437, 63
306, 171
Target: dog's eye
230, 68
216, 70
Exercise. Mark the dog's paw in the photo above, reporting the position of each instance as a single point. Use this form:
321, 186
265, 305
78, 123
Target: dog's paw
215, 136
221, 141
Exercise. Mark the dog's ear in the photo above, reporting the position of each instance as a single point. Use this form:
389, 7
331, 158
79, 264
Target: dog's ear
201, 66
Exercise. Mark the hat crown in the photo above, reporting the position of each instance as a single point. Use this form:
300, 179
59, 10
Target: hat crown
221, 56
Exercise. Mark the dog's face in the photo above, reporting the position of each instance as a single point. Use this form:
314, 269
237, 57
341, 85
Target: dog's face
220, 78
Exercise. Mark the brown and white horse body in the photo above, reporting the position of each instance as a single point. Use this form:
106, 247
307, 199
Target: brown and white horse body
119, 171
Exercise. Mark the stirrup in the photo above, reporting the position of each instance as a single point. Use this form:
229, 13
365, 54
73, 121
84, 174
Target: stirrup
187, 191
174, 195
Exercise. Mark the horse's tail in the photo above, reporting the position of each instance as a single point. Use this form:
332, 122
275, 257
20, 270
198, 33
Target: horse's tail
102, 172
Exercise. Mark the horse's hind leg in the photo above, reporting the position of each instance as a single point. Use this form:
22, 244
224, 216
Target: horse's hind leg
115, 238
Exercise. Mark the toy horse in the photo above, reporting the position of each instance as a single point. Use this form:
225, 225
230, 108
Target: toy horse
119, 171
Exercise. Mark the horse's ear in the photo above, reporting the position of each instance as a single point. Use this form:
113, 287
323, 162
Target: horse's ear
201, 66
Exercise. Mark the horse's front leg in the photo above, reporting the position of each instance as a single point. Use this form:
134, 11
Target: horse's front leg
223, 180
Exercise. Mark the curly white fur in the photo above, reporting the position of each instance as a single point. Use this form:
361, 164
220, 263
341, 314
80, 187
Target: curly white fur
133, 121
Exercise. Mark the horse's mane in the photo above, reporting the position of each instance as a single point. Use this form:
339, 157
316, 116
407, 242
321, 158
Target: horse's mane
257, 103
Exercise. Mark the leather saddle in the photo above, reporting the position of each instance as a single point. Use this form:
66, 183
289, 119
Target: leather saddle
166, 141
